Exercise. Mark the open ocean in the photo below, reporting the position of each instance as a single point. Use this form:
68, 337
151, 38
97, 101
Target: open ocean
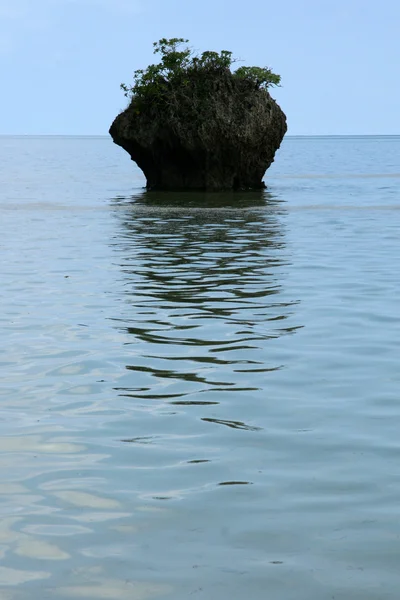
199, 393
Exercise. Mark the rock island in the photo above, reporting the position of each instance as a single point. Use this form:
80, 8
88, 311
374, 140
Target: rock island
194, 123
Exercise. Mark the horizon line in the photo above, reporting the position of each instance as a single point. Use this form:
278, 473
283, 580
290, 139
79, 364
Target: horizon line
293, 135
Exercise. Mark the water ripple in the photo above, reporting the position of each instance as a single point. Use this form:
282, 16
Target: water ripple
199, 393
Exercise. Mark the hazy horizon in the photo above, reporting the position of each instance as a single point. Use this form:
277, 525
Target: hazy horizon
288, 135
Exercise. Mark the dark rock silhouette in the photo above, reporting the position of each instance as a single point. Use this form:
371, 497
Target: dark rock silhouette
216, 132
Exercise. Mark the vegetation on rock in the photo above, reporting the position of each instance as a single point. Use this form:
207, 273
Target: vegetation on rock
179, 67
193, 123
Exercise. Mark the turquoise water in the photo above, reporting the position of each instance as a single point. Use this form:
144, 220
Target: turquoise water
199, 395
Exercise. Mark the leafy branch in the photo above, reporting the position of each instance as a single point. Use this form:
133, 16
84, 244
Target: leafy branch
179, 66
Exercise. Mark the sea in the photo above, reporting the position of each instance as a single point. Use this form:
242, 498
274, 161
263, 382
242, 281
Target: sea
199, 392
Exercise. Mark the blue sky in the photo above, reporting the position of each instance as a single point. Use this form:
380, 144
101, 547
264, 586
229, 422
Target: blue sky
61, 61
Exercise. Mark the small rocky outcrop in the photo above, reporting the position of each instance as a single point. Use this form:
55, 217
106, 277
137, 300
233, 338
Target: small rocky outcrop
211, 131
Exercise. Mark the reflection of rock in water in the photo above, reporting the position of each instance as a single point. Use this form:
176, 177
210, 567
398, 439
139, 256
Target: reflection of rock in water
204, 289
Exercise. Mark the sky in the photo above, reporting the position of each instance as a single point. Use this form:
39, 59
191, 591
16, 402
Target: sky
62, 61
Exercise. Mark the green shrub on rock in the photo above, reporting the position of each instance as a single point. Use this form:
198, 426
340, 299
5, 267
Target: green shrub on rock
177, 67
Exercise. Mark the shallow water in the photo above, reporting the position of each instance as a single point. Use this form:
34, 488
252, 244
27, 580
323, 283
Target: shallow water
199, 395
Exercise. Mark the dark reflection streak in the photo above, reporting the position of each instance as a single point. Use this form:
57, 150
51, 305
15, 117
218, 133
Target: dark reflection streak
183, 394
193, 403
235, 483
188, 298
290, 329
139, 389
266, 370
193, 342
230, 348
176, 375
236, 389
152, 396
232, 424
205, 359
139, 440
146, 336
269, 306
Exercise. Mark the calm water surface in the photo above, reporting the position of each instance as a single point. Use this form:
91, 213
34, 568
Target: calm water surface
199, 395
